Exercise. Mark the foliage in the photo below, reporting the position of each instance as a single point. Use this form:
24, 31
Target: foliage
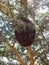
10, 10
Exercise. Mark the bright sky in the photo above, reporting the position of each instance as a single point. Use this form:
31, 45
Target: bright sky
43, 10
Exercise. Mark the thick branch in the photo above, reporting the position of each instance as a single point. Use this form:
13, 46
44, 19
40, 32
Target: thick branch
31, 55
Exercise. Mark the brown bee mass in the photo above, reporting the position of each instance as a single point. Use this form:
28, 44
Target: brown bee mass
25, 32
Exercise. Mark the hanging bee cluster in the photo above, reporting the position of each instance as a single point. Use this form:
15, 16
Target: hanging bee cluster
25, 32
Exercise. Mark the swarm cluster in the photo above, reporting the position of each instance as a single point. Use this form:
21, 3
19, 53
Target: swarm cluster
25, 32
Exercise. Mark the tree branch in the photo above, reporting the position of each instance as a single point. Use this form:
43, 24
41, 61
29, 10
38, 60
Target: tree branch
31, 55
15, 51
